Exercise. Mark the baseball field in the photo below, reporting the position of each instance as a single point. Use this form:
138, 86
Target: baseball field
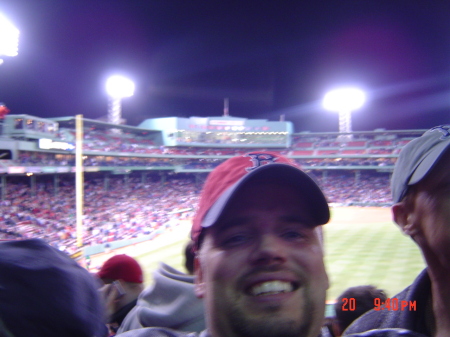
362, 246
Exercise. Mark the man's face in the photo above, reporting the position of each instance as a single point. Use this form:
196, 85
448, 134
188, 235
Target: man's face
260, 268
430, 211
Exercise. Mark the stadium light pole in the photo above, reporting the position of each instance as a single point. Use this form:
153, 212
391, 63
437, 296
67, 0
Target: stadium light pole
344, 101
117, 87
9, 38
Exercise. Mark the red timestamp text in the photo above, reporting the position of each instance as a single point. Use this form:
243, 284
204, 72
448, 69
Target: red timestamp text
348, 304
390, 304
394, 304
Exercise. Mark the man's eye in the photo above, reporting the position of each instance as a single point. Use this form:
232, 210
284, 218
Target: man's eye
235, 240
293, 235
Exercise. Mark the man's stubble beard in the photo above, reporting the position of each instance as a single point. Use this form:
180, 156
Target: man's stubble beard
270, 326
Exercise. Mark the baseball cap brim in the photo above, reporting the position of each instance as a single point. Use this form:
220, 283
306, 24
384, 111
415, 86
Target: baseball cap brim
277, 172
428, 162
417, 159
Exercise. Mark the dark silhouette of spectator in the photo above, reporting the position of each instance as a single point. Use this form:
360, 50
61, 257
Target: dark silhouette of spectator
170, 301
363, 296
123, 279
43, 292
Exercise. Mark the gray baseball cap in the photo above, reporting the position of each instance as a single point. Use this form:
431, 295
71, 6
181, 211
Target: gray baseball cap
417, 158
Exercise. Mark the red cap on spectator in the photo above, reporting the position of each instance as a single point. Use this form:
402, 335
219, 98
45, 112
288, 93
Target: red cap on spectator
122, 267
227, 178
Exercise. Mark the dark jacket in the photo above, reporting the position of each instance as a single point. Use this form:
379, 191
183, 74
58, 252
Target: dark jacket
161, 332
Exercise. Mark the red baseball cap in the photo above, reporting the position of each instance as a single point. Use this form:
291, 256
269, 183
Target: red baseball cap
227, 179
122, 267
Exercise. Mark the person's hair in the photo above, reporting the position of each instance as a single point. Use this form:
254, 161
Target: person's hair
189, 256
364, 297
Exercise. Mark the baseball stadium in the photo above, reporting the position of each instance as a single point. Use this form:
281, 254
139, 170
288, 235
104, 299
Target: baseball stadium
94, 189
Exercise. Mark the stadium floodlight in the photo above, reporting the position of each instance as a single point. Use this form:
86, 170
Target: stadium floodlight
9, 38
117, 87
344, 101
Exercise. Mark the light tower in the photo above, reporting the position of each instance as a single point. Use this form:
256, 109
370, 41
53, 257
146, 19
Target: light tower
344, 101
9, 38
117, 87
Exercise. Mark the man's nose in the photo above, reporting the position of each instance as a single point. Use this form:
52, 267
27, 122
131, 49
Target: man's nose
269, 249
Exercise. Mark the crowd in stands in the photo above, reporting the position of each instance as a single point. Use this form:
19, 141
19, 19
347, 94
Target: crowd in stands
346, 162
362, 146
144, 208
330, 141
99, 140
96, 141
125, 210
344, 188
128, 209
45, 159
137, 150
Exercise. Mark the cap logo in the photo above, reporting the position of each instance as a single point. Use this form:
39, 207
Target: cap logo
259, 159
444, 129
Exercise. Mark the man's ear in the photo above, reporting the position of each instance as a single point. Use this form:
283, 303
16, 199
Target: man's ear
400, 214
199, 286
403, 217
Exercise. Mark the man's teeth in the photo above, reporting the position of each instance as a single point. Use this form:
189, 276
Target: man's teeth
272, 287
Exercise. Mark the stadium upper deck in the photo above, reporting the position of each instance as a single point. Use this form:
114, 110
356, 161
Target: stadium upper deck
32, 145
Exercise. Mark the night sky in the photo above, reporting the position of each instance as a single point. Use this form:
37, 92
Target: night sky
268, 57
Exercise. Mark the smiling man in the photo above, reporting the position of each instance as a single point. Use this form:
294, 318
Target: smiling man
260, 263
259, 251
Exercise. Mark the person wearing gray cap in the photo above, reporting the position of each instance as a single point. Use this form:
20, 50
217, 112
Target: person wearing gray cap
421, 194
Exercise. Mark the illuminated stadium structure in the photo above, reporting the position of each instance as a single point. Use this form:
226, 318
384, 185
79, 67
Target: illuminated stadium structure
177, 142
34, 150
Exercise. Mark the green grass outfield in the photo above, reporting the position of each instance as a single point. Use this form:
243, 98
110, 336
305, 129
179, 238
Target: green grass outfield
356, 253
371, 252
